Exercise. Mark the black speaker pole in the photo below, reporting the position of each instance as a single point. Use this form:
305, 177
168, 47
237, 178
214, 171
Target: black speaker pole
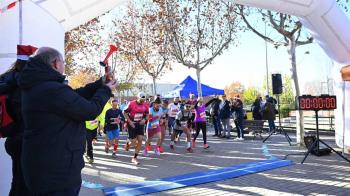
317, 144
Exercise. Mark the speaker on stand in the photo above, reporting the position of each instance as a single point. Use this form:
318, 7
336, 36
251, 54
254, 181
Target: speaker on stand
277, 89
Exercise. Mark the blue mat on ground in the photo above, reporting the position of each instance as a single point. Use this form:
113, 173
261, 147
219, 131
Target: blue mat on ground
195, 178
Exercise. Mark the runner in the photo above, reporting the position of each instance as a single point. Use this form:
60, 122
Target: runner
164, 123
200, 122
153, 126
91, 132
193, 102
183, 124
136, 116
173, 109
113, 118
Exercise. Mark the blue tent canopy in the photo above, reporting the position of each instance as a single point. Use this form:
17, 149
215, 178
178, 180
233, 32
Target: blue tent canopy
189, 85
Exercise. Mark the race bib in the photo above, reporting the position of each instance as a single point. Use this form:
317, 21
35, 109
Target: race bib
202, 115
183, 123
174, 112
154, 125
138, 116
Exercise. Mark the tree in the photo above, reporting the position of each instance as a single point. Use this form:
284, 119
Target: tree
234, 89
199, 31
82, 77
250, 94
290, 30
84, 45
142, 35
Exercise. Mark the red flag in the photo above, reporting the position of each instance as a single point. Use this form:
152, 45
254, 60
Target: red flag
11, 5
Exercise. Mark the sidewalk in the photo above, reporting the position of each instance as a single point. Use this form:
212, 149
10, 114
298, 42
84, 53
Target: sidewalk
329, 175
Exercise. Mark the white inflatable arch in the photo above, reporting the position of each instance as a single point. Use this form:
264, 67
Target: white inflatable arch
44, 22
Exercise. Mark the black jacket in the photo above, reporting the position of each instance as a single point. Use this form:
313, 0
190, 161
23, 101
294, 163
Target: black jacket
54, 118
9, 87
225, 111
214, 106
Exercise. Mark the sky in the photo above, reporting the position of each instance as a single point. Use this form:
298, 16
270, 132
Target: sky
246, 63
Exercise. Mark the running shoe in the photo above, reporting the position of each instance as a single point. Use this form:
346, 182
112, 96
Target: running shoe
161, 149
149, 147
206, 146
114, 155
135, 161
193, 143
91, 161
145, 152
237, 139
157, 151
189, 150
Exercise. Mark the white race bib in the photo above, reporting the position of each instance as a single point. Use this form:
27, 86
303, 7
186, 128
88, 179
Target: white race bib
138, 116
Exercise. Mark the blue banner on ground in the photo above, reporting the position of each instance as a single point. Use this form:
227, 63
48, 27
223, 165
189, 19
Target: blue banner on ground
195, 178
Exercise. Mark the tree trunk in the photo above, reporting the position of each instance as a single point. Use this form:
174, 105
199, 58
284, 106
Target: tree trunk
154, 87
299, 114
199, 89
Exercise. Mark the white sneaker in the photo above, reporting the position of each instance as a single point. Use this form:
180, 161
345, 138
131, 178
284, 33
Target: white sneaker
240, 139
236, 139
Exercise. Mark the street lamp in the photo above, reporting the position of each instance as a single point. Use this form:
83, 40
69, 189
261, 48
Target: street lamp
267, 66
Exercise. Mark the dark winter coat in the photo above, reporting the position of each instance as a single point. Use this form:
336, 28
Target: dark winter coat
213, 105
256, 110
237, 107
225, 111
54, 118
269, 111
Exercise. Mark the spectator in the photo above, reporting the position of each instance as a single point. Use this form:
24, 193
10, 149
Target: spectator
214, 113
269, 114
256, 109
225, 114
13, 143
54, 119
237, 107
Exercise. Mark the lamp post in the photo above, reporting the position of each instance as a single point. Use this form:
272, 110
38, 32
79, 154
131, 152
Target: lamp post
267, 66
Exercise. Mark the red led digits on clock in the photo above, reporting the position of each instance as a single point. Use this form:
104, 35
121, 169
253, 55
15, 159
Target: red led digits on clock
323, 102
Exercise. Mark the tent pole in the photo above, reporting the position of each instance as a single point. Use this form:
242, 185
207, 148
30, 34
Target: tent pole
20, 17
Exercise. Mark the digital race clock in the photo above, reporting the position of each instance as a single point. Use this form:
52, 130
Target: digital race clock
323, 102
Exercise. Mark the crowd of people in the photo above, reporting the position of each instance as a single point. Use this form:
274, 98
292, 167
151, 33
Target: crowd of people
60, 124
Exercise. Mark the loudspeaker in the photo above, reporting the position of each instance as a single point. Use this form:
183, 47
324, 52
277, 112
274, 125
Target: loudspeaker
309, 140
277, 84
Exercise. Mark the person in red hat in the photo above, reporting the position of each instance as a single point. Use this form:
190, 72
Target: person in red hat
13, 144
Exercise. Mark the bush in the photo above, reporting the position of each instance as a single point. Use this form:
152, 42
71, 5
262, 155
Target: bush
285, 109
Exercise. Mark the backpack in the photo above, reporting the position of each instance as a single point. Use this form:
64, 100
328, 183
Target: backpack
6, 121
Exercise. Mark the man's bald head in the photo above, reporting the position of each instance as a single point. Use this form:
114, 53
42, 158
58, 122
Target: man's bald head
50, 56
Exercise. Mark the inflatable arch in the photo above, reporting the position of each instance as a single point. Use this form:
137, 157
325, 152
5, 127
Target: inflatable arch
44, 22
